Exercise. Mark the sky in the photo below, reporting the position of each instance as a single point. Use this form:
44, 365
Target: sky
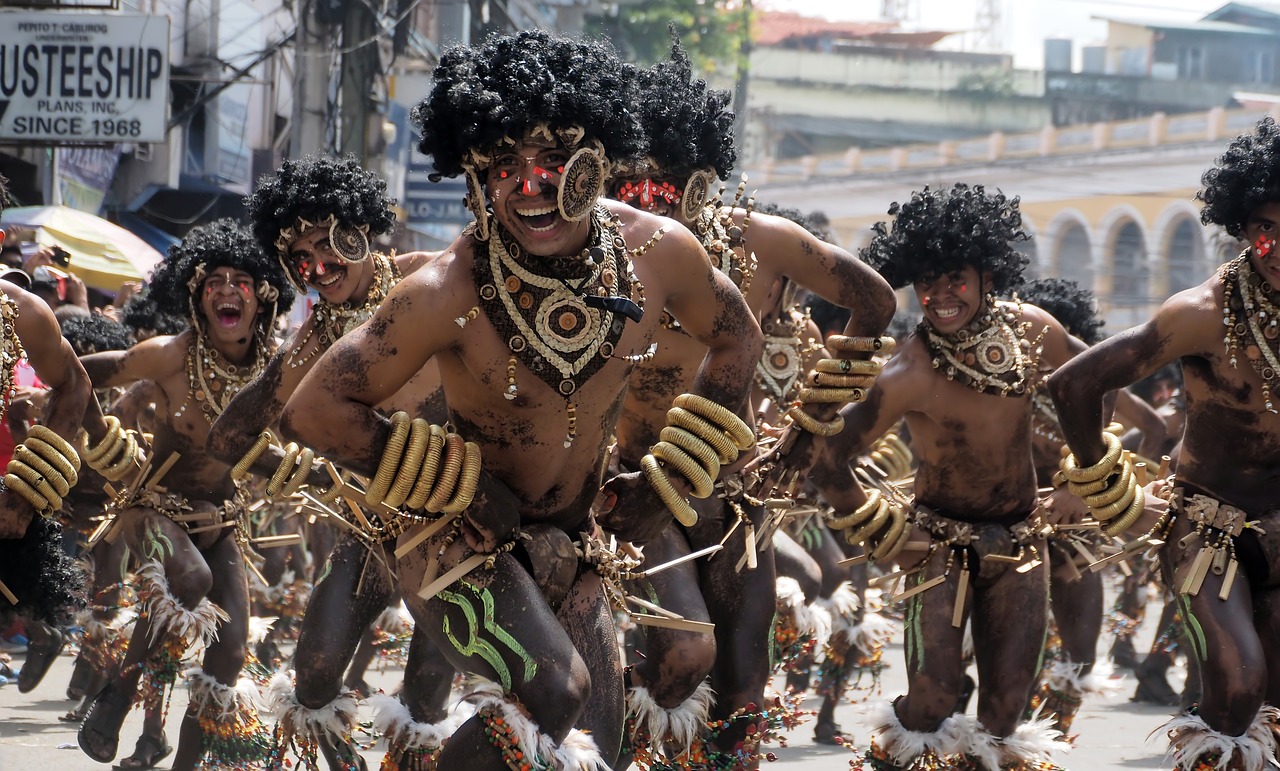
1026, 22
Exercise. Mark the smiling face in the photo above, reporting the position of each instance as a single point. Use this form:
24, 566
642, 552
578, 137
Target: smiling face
522, 184
952, 300
1262, 231
230, 304
314, 261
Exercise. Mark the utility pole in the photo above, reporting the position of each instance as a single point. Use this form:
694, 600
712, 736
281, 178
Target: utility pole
359, 73
310, 86
743, 79
989, 25
899, 10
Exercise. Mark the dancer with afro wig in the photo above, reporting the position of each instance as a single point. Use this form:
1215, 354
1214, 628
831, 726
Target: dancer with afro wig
536, 316
319, 217
179, 512
1075, 591
37, 579
690, 148
972, 542
1221, 526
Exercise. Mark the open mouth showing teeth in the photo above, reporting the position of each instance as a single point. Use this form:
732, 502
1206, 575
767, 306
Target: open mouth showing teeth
538, 220
228, 314
330, 276
947, 313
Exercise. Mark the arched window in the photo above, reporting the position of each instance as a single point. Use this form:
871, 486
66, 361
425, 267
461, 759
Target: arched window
1028, 250
1186, 256
1129, 267
1075, 257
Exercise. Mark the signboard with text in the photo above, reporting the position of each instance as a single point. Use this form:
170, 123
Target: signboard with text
81, 78
428, 202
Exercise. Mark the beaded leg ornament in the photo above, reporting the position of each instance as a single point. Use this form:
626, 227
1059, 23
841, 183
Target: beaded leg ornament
663, 734
1195, 745
523, 746
300, 729
233, 735
1030, 747
896, 746
167, 616
411, 745
799, 629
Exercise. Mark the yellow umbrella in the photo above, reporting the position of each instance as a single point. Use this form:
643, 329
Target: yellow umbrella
103, 254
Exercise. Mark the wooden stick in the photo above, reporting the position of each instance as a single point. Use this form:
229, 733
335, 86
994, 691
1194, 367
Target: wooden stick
661, 611
207, 528
913, 591
681, 560
682, 624
164, 469
423, 535
272, 541
465, 567
8, 595
852, 561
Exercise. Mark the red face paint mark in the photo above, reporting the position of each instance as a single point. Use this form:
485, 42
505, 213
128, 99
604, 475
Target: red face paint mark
1263, 246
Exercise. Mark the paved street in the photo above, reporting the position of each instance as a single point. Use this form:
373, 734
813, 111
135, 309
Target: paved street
1112, 731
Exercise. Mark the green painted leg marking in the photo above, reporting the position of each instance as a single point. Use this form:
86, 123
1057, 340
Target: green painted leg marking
476, 645
1196, 632
915, 628
157, 545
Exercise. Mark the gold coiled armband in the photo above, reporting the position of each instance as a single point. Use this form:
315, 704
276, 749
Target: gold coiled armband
117, 453
424, 466
289, 477
859, 516
839, 381
814, 426
701, 436
846, 344
1115, 499
43, 470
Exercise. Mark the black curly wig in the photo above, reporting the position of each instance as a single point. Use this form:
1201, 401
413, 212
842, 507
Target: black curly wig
1242, 179
483, 95
689, 126
49, 584
96, 333
1069, 303
314, 187
141, 315
941, 231
221, 243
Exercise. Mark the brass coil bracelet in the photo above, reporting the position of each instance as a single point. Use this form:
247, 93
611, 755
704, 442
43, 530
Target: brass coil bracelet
700, 437
814, 426
116, 454
846, 344
859, 516
1100, 470
667, 493
424, 466
43, 470
241, 469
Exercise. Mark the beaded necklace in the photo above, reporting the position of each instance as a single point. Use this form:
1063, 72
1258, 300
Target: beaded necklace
539, 306
333, 321
214, 383
779, 365
1250, 317
10, 351
1044, 418
991, 354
